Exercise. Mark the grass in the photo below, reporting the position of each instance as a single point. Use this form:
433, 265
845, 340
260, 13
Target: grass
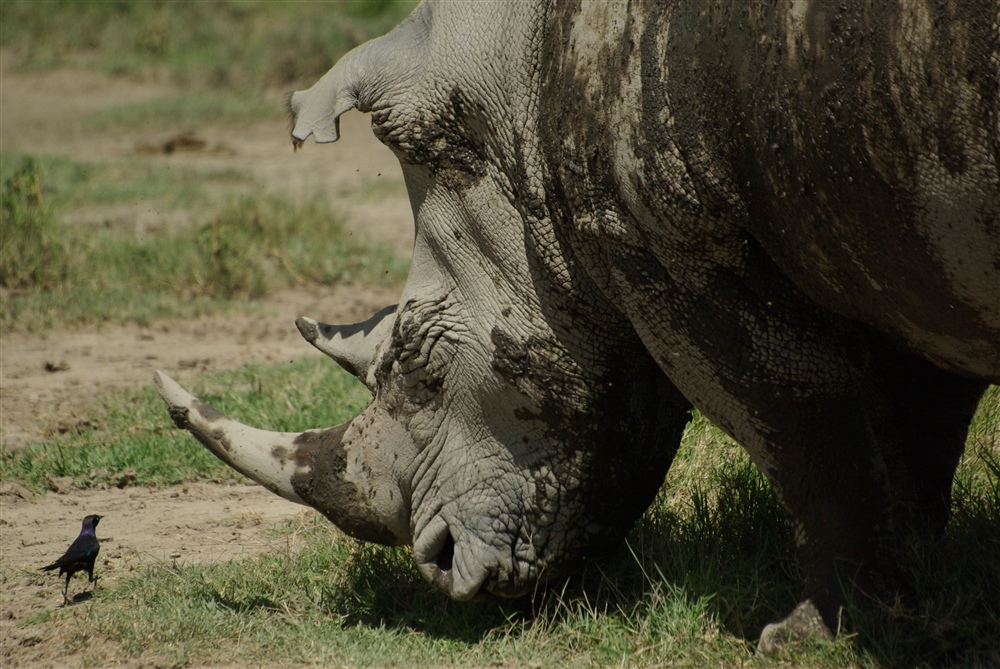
705, 568
83, 275
133, 431
319, 605
228, 58
65, 186
190, 110
228, 46
32, 253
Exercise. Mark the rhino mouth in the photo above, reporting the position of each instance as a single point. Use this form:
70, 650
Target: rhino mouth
439, 571
464, 568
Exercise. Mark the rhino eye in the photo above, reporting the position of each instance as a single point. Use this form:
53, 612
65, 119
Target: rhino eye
424, 345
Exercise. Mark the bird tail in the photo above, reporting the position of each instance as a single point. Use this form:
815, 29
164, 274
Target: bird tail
54, 565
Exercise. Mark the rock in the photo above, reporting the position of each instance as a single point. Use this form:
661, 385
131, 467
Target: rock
125, 479
15, 489
61, 485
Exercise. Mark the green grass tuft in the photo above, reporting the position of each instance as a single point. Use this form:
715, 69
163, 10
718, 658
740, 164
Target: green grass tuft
133, 430
235, 46
78, 274
32, 253
67, 186
288, 608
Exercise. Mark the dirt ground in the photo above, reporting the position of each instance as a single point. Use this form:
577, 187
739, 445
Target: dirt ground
51, 380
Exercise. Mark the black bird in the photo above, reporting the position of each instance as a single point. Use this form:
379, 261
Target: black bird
80, 555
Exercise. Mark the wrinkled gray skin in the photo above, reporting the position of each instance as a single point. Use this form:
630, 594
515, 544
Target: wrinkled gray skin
786, 214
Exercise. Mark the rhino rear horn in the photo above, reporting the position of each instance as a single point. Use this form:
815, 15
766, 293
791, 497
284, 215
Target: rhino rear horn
360, 79
354, 347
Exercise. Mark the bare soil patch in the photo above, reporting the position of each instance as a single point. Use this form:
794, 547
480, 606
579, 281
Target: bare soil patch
197, 522
52, 380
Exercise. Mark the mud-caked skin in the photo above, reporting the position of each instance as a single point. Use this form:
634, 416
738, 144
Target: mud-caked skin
811, 238
786, 214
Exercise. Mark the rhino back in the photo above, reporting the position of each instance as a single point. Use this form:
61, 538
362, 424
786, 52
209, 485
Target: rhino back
855, 143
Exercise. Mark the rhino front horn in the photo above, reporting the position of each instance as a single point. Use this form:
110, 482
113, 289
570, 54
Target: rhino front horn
335, 470
258, 454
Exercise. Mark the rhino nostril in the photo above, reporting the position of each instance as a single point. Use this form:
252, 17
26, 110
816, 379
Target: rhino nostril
446, 555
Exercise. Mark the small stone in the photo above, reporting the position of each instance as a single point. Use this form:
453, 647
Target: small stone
15, 489
61, 485
125, 479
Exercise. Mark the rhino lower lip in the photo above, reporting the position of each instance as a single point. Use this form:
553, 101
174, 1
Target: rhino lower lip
439, 578
444, 580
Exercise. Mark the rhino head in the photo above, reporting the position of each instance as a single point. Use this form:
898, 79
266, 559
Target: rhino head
517, 426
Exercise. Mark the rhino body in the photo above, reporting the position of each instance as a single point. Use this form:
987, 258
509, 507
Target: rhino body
785, 214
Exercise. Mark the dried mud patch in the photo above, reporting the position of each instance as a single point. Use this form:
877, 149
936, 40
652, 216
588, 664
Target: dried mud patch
52, 381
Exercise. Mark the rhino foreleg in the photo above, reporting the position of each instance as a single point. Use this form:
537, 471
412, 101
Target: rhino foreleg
920, 415
786, 380
826, 468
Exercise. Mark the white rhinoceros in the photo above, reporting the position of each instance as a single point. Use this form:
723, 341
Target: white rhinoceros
786, 214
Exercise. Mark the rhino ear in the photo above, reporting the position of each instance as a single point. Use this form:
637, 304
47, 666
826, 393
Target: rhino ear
317, 111
359, 79
353, 347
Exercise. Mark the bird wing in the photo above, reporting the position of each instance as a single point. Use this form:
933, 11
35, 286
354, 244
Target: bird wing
82, 548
